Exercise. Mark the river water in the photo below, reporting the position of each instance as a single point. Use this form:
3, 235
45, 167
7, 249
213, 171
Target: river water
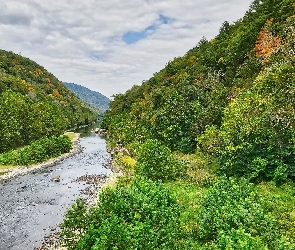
32, 205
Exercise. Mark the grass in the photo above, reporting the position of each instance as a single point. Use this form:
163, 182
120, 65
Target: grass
71, 135
188, 195
202, 168
280, 200
3, 169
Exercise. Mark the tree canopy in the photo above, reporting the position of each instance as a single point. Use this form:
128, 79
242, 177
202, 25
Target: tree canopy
34, 103
239, 87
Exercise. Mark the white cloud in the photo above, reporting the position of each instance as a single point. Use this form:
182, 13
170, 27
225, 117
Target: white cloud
81, 41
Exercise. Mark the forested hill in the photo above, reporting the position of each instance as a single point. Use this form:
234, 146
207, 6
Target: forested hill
207, 145
232, 96
34, 103
94, 99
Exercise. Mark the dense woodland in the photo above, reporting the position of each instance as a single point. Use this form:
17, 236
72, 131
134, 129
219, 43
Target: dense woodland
231, 97
210, 147
34, 104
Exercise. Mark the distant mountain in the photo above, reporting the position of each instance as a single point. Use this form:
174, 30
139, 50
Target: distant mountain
95, 99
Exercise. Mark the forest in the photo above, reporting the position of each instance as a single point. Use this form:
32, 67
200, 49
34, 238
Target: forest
209, 140
35, 108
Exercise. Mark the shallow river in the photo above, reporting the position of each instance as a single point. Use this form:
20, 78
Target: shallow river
32, 206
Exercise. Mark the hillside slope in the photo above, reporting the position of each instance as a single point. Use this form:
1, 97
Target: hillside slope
231, 97
94, 99
216, 128
34, 103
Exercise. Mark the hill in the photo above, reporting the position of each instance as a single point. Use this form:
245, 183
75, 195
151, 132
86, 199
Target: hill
231, 97
94, 99
208, 142
34, 103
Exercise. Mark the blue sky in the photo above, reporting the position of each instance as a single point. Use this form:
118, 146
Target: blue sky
133, 37
110, 45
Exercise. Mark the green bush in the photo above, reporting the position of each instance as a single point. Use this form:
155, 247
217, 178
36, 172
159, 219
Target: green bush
155, 161
8, 158
239, 240
142, 215
37, 151
232, 212
58, 145
256, 138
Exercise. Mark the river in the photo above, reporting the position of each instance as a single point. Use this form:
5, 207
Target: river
32, 206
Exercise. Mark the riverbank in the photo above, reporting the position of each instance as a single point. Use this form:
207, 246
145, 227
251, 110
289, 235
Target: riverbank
40, 203
12, 172
52, 242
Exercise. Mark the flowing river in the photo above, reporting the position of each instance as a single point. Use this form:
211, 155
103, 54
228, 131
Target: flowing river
32, 206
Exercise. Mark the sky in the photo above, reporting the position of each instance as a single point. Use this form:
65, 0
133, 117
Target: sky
110, 45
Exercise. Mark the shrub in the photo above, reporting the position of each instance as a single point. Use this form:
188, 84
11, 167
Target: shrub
239, 240
37, 151
142, 215
8, 158
155, 161
256, 138
231, 211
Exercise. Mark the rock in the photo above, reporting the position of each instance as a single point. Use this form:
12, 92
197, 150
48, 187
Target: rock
56, 178
100, 131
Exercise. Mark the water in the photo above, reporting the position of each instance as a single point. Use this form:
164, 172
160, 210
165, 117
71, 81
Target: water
32, 206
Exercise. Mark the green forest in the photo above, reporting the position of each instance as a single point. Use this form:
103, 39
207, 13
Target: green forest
209, 141
35, 107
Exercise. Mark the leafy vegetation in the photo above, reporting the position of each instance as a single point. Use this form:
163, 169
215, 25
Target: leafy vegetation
156, 162
34, 104
226, 108
38, 151
142, 215
247, 215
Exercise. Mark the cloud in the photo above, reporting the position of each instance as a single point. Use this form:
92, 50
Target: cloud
133, 37
110, 45
14, 16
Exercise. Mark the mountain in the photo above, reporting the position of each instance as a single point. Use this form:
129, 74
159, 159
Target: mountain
216, 127
231, 96
94, 99
34, 103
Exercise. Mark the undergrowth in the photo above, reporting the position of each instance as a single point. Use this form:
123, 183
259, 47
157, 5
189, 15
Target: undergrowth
38, 151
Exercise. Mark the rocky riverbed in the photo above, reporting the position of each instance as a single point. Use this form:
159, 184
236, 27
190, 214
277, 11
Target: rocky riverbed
32, 206
90, 194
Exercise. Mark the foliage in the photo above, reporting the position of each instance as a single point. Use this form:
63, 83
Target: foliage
188, 196
201, 168
256, 138
38, 151
156, 162
237, 239
226, 106
232, 212
142, 215
34, 104
266, 44
124, 129
280, 200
